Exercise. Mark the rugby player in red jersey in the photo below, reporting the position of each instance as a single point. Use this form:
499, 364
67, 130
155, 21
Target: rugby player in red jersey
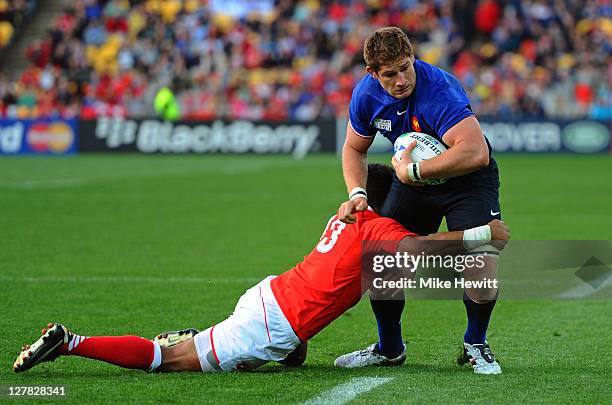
274, 319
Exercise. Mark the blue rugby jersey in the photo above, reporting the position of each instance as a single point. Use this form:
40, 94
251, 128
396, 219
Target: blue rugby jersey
437, 103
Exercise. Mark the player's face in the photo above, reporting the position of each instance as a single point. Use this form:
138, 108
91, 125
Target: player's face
397, 79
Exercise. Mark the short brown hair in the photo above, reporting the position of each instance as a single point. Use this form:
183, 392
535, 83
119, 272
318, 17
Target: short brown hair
386, 46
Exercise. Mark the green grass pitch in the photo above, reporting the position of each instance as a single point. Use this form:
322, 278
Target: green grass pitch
141, 244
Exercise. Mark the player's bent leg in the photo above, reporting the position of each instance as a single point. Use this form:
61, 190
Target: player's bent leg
388, 315
479, 302
469, 208
482, 275
416, 212
387, 304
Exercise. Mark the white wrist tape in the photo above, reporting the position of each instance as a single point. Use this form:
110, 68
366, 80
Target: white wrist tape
414, 171
476, 237
358, 192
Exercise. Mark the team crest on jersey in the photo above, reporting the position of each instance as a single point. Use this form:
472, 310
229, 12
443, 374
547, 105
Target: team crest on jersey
415, 124
385, 125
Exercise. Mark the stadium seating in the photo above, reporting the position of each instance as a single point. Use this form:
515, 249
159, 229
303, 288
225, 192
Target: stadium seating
301, 59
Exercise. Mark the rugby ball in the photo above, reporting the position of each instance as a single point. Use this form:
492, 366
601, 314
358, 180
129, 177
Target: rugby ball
426, 147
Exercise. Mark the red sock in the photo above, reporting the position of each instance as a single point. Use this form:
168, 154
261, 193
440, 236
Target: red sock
122, 351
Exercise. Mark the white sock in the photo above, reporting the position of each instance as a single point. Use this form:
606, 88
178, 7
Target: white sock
75, 341
157, 357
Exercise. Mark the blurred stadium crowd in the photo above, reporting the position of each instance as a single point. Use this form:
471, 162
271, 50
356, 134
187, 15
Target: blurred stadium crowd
12, 14
284, 59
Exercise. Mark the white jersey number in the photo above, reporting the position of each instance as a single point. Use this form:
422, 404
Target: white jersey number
326, 243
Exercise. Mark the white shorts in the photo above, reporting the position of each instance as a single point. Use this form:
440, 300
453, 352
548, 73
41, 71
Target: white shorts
256, 333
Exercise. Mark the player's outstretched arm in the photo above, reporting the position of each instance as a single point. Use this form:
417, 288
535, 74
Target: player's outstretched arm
495, 233
355, 171
468, 152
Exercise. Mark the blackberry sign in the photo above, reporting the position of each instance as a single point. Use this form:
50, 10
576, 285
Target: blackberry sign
237, 137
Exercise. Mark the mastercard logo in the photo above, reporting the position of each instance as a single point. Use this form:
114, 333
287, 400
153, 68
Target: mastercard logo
55, 137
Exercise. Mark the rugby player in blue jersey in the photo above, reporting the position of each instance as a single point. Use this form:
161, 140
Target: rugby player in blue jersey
401, 94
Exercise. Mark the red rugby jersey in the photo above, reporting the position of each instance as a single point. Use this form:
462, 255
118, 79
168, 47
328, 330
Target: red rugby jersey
328, 281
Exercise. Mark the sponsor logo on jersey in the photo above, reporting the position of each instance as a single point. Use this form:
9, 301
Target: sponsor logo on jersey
415, 124
385, 125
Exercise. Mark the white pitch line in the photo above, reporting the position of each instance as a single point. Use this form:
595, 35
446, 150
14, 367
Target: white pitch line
235, 168
346, 392
128, 279
584, 290
36, 184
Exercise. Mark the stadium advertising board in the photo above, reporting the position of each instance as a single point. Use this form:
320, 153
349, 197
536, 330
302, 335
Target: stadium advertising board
534, 136
38, 137
583, 136
226, 137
